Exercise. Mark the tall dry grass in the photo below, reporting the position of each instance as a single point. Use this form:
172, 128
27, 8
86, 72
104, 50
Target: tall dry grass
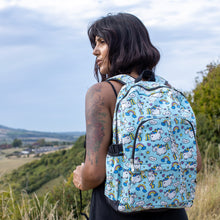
207, 201
29, 208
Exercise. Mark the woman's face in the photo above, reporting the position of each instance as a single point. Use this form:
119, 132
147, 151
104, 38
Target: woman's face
101, 52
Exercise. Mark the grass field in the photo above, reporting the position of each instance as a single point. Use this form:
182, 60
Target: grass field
49, 186
8, 164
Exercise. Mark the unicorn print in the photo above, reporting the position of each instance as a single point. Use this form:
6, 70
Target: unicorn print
152, 158
167, 181
176, 184
153, 122
188, 153
167, 113
185, 141
148, 206
190, 133
171, 95
151, 176
182, 189
130, 129
155, 85
140, 203
125, 174
160, 149
109, 177
185, 112
108, 187
155, 96
137, 163
136, 179
117, 182
121, 208
125, 104
132, 198
139, 135
125, 199
156, 135
170, 194
120, 123
132, 95
191, 165
126, 139
163, 203
166, 139
155, 110
157, 167
174, 148
140, 105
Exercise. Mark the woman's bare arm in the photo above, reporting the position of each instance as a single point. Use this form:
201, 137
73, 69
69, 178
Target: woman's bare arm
98, 137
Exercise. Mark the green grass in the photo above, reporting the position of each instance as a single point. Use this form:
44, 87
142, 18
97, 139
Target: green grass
48, 187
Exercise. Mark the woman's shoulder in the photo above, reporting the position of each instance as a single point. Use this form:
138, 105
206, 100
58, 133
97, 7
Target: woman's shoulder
102, 91
101, 88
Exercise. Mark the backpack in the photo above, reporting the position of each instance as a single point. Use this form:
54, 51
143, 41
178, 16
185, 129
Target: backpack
151, 163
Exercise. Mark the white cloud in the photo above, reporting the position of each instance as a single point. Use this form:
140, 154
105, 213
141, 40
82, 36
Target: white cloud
66, 12
46, 39
124, 3
153, 12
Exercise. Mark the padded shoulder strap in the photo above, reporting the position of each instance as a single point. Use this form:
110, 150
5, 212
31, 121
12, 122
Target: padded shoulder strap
122, 78
159, 79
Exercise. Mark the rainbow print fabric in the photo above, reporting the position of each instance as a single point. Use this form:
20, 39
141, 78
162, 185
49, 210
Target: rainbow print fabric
157, 168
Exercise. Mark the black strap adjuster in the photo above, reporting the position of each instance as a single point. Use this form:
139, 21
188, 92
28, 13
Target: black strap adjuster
115, 150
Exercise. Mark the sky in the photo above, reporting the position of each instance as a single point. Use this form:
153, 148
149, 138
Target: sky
46, 61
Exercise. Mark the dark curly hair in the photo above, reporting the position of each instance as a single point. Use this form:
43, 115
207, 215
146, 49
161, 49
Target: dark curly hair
130, 48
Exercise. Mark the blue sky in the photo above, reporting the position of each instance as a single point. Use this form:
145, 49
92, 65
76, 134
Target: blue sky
46, 62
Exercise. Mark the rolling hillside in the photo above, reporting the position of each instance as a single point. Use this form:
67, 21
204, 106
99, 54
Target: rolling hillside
7, 135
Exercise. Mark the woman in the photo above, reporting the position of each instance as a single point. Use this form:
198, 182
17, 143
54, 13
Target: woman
121, 45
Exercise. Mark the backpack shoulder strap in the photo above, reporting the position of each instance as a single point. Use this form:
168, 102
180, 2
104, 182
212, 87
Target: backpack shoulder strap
125, 79
122, 78
160, 79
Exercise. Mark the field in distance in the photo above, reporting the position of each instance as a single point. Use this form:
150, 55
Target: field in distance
9, 164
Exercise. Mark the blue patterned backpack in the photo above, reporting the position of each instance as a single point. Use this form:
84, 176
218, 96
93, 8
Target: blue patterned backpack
152, 161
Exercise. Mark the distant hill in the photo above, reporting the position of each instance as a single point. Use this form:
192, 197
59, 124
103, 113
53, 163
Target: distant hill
7, 135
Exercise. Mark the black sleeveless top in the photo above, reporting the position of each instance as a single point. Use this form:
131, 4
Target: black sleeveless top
101, 210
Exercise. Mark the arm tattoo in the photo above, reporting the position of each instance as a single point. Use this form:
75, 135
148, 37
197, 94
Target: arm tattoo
95, 121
